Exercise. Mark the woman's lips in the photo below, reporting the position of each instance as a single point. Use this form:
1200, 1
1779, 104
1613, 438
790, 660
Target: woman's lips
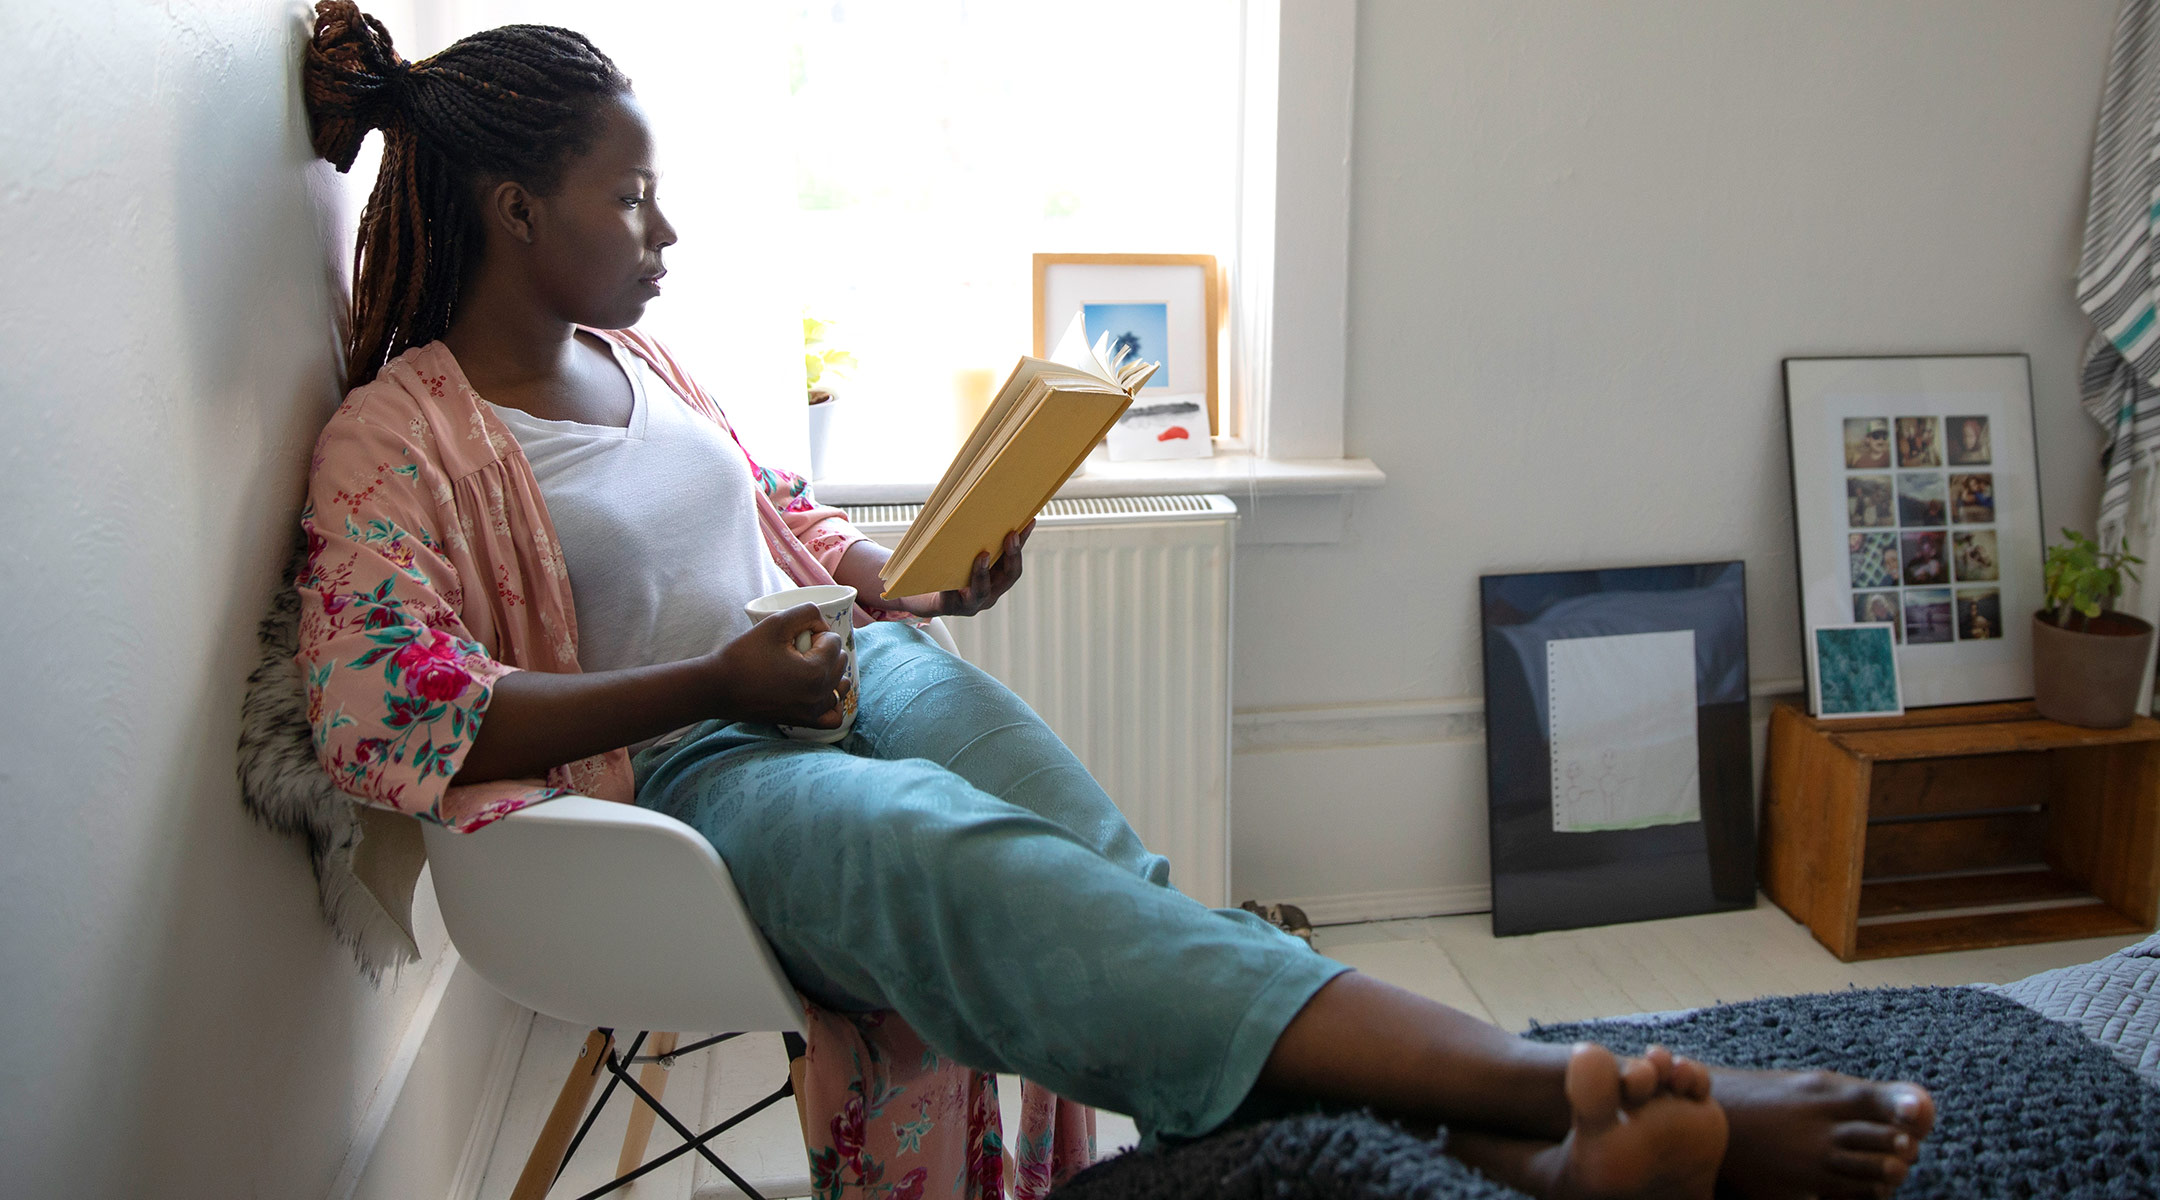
653, 280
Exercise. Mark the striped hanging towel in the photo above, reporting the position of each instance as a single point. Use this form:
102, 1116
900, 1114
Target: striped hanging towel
2119, 271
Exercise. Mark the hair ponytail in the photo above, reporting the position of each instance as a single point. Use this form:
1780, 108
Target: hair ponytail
511, 103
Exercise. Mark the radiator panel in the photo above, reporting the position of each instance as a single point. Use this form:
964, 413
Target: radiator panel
1118, 635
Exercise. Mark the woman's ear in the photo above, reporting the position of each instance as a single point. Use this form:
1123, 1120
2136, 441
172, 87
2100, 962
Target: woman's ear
509, 206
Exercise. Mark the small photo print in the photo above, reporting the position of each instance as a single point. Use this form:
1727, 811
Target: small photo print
1919, 440
1874, 559
1972, 554
1979, 614
1922, 499
1968, 441
1972, 499
1867, 502
1927, 616
1855, 672
1867, 442
1165, 427
1869, 608
1142, 331
1925, 562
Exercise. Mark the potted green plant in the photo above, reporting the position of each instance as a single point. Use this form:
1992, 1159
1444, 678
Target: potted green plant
823, 365
2088, 659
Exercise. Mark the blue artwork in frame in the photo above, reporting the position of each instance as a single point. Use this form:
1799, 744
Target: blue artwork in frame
1620, 770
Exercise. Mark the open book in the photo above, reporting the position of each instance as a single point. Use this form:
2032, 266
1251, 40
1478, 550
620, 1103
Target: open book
1037, 431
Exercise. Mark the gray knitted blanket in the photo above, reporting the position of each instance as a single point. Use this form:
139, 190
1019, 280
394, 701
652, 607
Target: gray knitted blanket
2028, 1107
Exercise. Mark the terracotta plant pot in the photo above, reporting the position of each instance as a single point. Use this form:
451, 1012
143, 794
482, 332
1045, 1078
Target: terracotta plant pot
2089, 677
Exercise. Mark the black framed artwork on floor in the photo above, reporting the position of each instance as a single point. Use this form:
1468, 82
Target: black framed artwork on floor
1619, 768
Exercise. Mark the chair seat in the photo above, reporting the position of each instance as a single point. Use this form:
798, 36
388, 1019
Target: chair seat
605, 914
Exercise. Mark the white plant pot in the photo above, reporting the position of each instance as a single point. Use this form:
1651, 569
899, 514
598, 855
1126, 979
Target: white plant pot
821, 421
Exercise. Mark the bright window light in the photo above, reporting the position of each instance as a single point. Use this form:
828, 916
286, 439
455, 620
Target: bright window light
939, 145
892, 168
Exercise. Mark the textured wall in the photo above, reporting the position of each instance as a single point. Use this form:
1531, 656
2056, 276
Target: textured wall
1582, 237
184, 1025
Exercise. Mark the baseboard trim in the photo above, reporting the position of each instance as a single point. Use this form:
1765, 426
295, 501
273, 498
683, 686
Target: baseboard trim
1396, 905
376, 1117
494, 1102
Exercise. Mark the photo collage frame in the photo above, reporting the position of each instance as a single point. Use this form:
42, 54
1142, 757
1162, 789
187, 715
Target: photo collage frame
1920, 526
1916, 504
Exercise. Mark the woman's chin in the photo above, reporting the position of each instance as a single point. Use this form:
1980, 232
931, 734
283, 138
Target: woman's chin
617, 316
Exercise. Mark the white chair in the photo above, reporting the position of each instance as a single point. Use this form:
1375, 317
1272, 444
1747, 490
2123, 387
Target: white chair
615, 917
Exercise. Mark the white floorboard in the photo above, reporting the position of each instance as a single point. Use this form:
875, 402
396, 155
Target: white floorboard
1653, 966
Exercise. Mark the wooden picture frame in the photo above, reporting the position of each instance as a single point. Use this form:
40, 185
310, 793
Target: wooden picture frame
1064, 282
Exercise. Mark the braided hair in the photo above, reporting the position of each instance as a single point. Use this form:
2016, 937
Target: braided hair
515, 103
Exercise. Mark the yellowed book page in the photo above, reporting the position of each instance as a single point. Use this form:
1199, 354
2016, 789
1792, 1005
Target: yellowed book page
1038, 460
1043, 381
968, 465
1006, 412
999, 412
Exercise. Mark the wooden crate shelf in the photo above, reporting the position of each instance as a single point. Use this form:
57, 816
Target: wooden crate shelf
1960, 828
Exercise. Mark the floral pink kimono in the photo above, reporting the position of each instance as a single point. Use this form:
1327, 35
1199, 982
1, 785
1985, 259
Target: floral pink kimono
432, 572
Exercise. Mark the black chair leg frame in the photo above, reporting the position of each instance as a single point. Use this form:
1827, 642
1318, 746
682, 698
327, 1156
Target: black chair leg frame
619, 1066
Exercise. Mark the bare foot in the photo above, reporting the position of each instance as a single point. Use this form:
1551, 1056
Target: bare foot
1646, 1129
1819, 1134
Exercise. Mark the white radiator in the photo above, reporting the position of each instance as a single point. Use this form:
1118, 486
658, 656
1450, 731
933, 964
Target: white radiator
1118, 634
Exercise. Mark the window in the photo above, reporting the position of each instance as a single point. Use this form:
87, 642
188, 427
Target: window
892, 167
940, 145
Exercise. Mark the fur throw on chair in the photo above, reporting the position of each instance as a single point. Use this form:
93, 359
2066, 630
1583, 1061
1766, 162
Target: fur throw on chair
283, 785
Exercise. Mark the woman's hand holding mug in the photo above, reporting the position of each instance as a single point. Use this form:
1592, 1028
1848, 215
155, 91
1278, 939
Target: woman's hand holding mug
812, 622
789, 669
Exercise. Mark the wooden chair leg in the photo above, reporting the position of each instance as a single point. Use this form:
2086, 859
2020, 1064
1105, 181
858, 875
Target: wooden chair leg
653, 1078
547, 1152
796, 1069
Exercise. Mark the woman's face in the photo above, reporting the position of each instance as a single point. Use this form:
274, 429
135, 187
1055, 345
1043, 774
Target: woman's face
597, 240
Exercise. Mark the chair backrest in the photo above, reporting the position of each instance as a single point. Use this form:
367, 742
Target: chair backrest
599, 913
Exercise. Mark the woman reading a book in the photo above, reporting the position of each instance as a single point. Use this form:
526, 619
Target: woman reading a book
509, 442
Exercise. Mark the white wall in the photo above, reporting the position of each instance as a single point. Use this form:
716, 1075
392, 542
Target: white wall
1583, 236
183, 1025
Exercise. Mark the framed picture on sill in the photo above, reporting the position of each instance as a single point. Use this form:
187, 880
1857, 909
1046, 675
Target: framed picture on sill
1916, 503
1164, 308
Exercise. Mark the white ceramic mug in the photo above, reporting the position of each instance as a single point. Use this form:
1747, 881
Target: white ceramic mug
836, 604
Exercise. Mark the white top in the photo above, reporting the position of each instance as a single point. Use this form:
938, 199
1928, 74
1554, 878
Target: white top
658, 523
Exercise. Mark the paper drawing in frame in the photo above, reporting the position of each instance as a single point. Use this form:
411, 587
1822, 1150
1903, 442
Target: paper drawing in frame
1164, 308
1852, 671
1618, 759
1916, 501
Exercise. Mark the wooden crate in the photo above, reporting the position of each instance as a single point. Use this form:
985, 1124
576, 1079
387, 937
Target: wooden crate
1960, 828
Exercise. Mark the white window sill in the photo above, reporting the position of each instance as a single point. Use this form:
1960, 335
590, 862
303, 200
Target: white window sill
1239, 476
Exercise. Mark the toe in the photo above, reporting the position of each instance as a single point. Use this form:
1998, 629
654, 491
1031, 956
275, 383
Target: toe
1862, 1167
1690, 1078
1905, 1105
1913, 1107
1593, 1087
1870, 1137
1643, 1078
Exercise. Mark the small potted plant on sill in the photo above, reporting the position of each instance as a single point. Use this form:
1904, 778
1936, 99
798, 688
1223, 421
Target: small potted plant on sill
2088, 659
823, 365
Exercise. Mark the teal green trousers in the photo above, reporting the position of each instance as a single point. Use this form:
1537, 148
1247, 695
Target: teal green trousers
951, 861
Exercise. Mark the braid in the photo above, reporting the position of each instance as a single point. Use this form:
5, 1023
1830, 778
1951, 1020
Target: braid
512, 103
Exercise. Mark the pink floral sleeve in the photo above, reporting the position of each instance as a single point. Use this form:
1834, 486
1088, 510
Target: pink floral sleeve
396, 684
